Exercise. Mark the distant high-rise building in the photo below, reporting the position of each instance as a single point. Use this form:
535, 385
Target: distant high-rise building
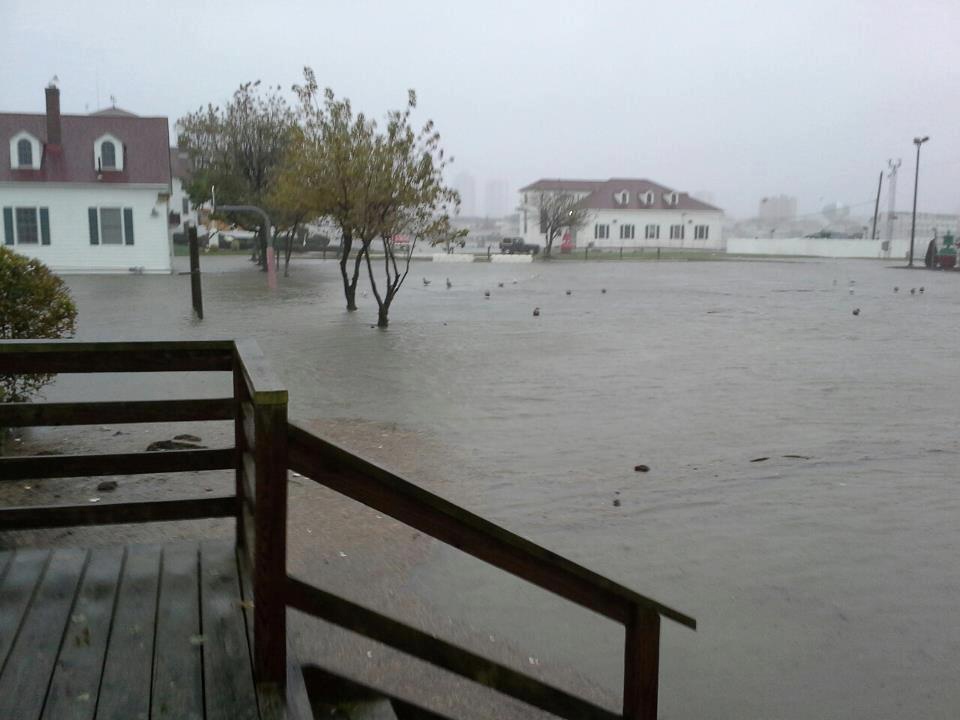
467, 187
495, 198
778, 208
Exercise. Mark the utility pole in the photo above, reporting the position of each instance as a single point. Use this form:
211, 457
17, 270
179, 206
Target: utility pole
892, 197
918, 141
876, 208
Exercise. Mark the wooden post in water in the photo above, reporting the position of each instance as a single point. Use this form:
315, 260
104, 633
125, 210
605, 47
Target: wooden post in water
196, 292
641, 671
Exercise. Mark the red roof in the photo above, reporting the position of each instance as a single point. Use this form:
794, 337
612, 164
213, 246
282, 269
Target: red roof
601, 194
146, 146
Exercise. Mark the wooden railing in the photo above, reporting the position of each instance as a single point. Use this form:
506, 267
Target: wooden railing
266, 445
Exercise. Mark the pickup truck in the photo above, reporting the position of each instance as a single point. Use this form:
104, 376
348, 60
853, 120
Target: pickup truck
516, 246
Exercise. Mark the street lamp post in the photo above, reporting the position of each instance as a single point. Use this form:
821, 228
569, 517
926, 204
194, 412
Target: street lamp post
918, 141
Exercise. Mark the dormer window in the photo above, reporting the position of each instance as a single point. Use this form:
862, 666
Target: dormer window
646, 198
108, 154
671, 198
25, 152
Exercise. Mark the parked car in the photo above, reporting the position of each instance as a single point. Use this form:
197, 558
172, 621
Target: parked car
516, 246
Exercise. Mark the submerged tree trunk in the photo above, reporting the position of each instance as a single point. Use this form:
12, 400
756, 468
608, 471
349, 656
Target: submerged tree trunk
349, 285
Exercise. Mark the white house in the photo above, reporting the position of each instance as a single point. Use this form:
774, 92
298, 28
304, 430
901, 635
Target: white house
629, 213
86, 193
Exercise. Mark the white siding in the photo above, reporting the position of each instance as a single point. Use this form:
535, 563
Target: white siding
70, 250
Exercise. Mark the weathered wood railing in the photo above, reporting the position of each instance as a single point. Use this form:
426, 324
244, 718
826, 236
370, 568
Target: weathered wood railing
266, 445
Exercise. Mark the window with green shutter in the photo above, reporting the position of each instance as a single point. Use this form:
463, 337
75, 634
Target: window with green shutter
128, 225
8, 226
45, 226
94, 226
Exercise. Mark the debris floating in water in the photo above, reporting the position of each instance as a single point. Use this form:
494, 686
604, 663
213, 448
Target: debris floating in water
641, 468
856, 311
616, 502
486, 293
760, 459
569, 292
449, 284
536, 312
896, 289
426, 282
913, 291
921, 291
603, 291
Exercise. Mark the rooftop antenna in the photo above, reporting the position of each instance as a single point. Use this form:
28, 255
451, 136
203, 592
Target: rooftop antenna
53, 81
113, 101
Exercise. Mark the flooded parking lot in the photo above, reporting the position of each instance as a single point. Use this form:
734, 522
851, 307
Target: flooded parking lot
801, 502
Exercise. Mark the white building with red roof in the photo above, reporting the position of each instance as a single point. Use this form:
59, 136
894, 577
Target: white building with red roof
86, 193
628, 213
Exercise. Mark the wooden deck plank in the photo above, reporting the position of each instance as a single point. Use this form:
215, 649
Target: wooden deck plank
227, 668
76, 677
128, 668
24, 570
178, 665
26, 675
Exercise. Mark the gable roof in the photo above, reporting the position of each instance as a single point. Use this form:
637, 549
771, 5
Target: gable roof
601, 194
145, 142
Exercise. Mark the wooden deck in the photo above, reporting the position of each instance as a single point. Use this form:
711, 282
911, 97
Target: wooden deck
137, 632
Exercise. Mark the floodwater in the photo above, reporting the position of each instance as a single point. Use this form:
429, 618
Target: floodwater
824, 578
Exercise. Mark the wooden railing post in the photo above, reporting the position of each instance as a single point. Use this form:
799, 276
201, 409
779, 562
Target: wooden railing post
270, 551
268, 404
641, 664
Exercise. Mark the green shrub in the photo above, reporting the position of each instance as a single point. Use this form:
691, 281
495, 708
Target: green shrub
34, 303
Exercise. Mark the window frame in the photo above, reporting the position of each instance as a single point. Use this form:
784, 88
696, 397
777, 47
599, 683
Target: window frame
674, 235
36, 151
119, 211
20, 145
651, 235
628, 231
113, 149
601, 231
41, 218
701, 232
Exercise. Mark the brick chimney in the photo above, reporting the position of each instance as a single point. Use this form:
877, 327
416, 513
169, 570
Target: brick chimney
53, 115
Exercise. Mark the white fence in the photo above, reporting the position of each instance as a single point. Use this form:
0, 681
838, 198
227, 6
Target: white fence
827, 247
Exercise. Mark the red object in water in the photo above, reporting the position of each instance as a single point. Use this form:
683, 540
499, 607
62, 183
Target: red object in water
567, 244
946, 261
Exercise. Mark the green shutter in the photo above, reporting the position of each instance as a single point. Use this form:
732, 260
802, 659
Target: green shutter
8, 226
45, 226
94, 230
128, 225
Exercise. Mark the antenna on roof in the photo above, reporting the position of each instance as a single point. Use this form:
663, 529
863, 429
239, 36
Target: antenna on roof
54, 81
113, 101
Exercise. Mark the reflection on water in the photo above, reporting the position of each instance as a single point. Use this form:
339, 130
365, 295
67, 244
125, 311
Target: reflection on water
825, 585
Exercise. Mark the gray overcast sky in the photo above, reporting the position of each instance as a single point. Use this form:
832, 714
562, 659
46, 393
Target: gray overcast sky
741, 99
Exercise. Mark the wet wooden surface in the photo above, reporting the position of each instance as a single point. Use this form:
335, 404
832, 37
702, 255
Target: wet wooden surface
124, 632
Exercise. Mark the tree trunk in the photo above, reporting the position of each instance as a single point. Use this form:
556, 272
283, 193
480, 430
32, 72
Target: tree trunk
382, 316
349, 288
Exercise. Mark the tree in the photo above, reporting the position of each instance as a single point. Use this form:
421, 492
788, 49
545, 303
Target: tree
558, 211
239, 149
329, 163
408, 196
34, 303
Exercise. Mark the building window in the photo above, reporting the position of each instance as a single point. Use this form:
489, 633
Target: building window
111, 226
24, 153
652, 232
676, 232
186, 206
601, 232
627, 232
701, 232
26, 226
108, 155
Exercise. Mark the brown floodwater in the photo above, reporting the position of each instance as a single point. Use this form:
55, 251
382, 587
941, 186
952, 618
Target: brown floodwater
825, 577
